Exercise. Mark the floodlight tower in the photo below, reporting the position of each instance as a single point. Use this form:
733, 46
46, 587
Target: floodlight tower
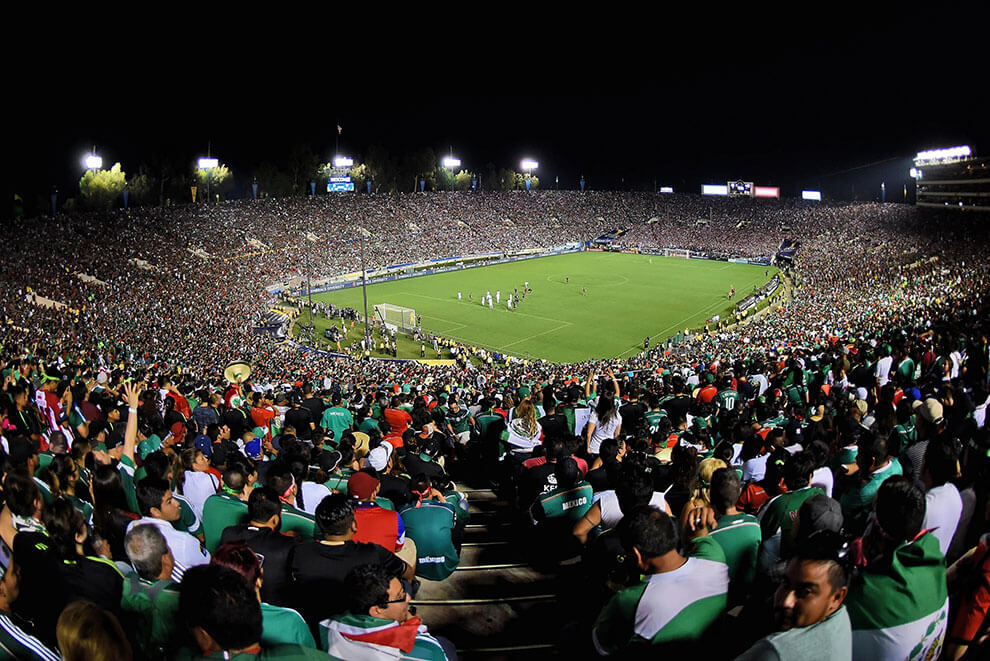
365, 235
528, 165
310, 327
209, 164
450, 162
93, 161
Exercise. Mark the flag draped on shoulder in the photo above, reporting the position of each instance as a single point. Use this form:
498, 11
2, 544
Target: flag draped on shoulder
899, 607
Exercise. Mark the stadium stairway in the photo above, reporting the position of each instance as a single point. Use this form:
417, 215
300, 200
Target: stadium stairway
495, 605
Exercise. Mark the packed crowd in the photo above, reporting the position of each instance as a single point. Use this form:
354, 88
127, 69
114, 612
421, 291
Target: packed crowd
810, 484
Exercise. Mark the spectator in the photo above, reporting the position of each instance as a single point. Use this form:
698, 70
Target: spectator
196, 480
375, 525
736, 532
435, 529
149, 596
319, 568
261, 534
679, 600
279, 625
899, 604
228, 507
874, 467
811, 620
87, 632
222, 612
943, 505
16, 635
159, 509
377, 624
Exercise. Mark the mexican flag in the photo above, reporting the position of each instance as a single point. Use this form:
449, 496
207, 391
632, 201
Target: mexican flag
899, 607
365, 638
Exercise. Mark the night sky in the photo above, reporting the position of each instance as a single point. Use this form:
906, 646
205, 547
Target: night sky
625, 100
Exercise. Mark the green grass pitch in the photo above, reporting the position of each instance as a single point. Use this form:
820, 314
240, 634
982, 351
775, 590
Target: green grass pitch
628, 297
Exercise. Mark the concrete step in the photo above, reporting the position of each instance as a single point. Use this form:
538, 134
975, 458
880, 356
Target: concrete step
486, 506
488, 531
489, 553
477, 494
495, 625
495, 606
491, 583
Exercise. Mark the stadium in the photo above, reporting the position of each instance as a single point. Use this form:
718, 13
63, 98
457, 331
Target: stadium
660, 389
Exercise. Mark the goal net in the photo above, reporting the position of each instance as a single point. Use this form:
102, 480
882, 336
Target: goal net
396, 316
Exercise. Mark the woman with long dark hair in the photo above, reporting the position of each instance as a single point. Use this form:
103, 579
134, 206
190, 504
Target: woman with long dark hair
194, 481
65, 469
84, 574
605, 422
111, 515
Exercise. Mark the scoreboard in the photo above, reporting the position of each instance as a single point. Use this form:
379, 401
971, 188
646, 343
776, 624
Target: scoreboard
740, 188
339, 184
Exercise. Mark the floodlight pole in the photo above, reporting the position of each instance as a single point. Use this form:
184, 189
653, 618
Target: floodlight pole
309, 289
309, 286
364, 288
209, 174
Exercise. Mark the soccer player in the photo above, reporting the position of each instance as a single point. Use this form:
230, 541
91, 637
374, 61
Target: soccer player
498, 295
458, 296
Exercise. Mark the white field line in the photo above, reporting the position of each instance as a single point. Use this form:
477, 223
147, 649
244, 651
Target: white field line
526, 339
674, 326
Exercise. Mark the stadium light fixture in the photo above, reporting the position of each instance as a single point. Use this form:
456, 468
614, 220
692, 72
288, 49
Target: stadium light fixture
529, 164
93, 162
342, 162
208, 163
948, 154
451, 162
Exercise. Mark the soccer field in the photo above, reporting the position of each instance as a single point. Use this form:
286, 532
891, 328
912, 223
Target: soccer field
628, 297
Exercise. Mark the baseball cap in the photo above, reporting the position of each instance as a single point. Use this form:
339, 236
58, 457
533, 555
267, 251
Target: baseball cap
252, 448
930, 410
328, 461
148, 445
204, 445
362, 486
378, 458
820, 513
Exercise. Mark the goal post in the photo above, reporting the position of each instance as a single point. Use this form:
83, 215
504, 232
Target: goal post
396, 316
